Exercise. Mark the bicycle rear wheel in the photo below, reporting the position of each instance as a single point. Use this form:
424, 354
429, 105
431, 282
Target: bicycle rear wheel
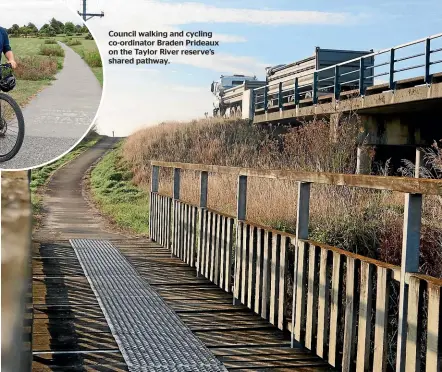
12, 127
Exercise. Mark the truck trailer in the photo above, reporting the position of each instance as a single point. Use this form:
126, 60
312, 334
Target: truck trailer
303, 70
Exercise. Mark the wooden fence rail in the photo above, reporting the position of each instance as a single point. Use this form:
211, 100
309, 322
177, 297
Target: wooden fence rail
355, 312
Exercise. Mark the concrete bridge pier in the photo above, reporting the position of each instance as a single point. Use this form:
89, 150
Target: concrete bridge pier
394, 136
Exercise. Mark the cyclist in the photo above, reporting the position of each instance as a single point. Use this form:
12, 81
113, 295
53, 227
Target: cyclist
5, 47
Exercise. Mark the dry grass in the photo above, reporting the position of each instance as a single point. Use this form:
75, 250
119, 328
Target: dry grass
36, 68
367, 222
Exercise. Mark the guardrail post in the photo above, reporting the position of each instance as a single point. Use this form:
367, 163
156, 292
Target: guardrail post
391, 76
252, 107
296, 91
266, 98
302, 223
241, 214
176, 197
362, 77
154, 186
409, 264
427, 75
315, 87
337, 88
204, 188
417, 166
280, 103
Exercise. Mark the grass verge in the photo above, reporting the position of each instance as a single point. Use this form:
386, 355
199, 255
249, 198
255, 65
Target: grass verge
117, 197
40, 176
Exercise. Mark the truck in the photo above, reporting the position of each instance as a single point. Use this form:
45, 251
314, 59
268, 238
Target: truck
304, 68
228, 94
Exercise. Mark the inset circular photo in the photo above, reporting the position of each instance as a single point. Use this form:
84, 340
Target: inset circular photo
51, 80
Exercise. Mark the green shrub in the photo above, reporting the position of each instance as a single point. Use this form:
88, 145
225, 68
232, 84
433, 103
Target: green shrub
52, 51
69, 34
93, 58
50, 41
73, 42
36, 68
89, 36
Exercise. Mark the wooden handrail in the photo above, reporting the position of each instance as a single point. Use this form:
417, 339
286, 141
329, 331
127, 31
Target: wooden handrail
400, 184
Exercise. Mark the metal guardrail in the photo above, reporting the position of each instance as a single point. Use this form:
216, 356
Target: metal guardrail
338, 82
334, 292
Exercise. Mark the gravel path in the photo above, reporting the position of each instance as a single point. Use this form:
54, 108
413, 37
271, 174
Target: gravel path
59, 115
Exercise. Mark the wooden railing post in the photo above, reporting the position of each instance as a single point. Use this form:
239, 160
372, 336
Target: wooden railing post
409, 264
241, 213
204, 188
176, 198
154, 186
302, 223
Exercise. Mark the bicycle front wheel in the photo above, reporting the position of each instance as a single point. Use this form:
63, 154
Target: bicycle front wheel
12, 127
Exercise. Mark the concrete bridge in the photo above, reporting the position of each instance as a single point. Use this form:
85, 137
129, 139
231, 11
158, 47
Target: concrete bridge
403, 111
214, 292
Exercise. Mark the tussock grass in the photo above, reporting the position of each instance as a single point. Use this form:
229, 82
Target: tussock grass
52, 51
92, 58
50, 41
367, 222
36, 68
73, 42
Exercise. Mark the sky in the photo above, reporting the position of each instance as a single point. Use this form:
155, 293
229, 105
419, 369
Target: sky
38, 12
253, 34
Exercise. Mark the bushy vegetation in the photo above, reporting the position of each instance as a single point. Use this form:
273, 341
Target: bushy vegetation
364, 221
52, 51
73, 42
91, 57
36, 68
50, 41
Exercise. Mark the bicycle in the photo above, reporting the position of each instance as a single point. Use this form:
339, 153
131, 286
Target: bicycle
11, 116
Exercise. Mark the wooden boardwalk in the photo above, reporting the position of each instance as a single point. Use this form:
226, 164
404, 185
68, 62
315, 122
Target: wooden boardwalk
70, 332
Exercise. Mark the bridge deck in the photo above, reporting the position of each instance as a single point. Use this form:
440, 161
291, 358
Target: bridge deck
70, 331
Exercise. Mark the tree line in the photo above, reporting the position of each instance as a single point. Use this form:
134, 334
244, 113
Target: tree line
53, 28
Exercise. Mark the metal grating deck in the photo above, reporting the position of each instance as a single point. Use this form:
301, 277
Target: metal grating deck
150, 335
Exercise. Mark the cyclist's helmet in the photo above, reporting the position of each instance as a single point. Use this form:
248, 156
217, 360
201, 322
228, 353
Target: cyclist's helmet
7, 83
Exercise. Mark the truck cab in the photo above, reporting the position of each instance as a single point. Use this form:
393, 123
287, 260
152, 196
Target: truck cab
227, 82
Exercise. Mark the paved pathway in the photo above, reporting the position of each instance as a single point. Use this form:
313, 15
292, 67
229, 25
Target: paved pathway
59, 115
